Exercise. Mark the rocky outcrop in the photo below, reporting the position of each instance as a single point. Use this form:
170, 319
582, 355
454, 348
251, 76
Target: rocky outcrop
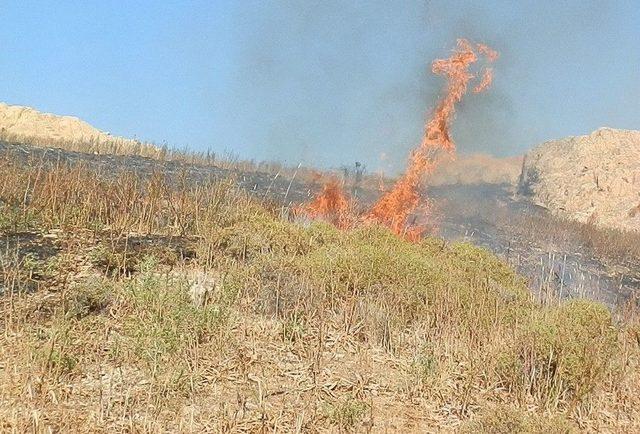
592, 179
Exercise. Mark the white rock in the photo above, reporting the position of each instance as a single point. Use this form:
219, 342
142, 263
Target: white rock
203, 287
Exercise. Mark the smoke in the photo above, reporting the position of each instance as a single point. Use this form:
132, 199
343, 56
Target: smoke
334, 82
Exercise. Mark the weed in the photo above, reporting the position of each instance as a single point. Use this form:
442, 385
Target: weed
505, 419
293, 329
425, 364
88, 298
162, 321
260, 234
347, 414
563, 352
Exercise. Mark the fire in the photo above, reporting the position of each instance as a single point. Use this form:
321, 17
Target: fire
485, 83
491, 54
331, 204
397, 205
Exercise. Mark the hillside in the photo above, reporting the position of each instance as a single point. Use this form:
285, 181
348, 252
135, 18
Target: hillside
148, 295
567, 258
21, 124
133, 303
26, 125
593, 178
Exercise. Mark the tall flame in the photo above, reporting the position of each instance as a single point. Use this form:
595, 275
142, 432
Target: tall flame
395, 206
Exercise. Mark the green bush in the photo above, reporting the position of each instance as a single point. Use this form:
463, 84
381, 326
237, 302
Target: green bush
321, 233
347, 414
562, 352
88, 298
15, 219
67, 344
162, 321
452, 285
260, 234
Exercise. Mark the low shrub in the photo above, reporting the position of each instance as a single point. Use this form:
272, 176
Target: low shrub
562, 352
451, 285
161, 320
347, 414
260, 234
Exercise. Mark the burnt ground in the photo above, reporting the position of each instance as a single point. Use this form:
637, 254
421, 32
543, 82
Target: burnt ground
558, 258
273, 187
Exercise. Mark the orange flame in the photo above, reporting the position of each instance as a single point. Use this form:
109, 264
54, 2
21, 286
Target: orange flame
485, 82
331, 205
394, 207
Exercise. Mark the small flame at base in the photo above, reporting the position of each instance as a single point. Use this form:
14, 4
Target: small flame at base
331, 205
396, 206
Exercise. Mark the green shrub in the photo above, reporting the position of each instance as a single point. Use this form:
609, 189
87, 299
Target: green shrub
66, 344
162, 321
368, 259
347, 414
126, 257
454, 286
88, 298
260, 234
15, 219
481, 266
425, 364
562, 352
321, 233
293, 329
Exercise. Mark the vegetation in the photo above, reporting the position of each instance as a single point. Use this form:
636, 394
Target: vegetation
131, 304
354, 177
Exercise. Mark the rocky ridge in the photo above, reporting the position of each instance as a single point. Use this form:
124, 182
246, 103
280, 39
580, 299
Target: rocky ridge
593, 178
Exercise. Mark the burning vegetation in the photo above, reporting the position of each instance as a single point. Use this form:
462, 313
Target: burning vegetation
198, 295
331, 204
396, 206
156, 300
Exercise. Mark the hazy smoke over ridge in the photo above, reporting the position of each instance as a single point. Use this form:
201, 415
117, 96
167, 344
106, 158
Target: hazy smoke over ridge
342, 81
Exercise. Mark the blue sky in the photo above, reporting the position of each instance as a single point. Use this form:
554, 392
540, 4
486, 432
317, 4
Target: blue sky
323, 84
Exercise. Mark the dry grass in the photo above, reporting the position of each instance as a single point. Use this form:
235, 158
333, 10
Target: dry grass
112, 145
609, 245
299, 328
312, 177
605, 243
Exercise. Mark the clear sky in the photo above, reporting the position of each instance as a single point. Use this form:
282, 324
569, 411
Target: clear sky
322, 83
